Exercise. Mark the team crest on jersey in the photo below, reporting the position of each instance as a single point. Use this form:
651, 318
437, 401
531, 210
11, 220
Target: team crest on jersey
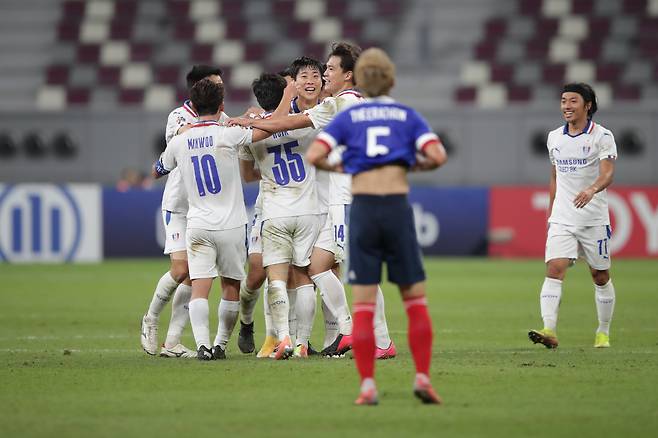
175, 236
586, 150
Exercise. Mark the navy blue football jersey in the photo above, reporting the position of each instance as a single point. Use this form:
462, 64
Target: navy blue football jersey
375, 133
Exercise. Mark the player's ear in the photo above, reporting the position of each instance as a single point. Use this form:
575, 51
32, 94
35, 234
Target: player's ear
349, 76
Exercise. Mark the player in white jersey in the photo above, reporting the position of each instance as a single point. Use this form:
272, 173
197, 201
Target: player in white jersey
289, 228
174, 209
340, 83
583, 155
206, 155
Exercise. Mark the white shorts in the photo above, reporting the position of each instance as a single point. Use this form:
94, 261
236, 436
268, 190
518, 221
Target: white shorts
289, 239
174, 225
339, 218
571, 242
326, 236
255, 240
219, 253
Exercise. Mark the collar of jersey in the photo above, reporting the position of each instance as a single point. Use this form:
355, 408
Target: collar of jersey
586, 130
380, 99
188, 106
202, 123
349, 90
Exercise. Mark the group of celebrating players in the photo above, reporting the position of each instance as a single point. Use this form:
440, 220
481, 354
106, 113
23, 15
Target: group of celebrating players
326, 154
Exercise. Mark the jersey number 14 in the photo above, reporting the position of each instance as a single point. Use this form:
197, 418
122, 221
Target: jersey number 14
206, 175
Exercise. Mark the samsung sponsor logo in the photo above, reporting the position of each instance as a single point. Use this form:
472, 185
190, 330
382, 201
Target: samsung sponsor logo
571, 162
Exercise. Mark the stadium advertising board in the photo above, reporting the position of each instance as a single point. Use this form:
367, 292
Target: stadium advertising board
449, 221
50, 223
517, 218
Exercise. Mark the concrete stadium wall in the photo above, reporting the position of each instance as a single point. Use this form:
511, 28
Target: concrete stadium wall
486, 147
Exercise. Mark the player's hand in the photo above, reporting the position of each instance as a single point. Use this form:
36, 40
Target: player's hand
290, 92
238, 121
583, 198
252, 112
183, 128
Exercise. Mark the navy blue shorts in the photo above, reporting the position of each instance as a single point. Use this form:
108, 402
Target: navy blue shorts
382, 230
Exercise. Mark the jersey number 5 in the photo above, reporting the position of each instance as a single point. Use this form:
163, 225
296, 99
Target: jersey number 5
373, 133
206, 175
291, 166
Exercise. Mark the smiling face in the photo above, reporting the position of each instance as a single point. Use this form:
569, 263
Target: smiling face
335, 78
308, 83
573, 107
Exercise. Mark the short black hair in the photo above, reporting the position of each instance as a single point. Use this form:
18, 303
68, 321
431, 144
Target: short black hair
302, 62
286, 72
586, 91
207, 96
199, 72
268, 89
348, 54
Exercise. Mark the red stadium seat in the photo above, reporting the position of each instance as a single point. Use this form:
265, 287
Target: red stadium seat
465, 94
88, 53
627, 92
553, 74
57, 75
109, 75
131, 96
608, 72
167, 74
201, 54
518, 93
502, 73
77, 96
141, 52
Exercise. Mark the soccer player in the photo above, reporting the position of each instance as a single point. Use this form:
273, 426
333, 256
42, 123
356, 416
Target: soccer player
289, 224
174, 209
340, 82
582, 155
382, 139
206, 155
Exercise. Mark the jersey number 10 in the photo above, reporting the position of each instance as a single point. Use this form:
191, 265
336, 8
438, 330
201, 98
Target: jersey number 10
206, 175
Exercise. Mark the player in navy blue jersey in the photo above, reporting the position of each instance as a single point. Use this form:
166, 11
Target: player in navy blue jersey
381, 141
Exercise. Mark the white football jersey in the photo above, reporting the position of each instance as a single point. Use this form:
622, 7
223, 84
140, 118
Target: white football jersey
207, 158
576, 160
287, 185
173, 197
321, 115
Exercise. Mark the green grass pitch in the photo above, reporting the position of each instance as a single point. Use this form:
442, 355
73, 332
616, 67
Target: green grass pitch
71, 364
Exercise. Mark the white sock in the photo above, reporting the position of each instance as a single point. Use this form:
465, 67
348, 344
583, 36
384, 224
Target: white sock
605, 305
199, 321
368, 384
382, 339
180, 315
248, 300
269, 325
163, 292
228, 315
330, 326
277, 298
305, 310
333, 294
292, 316
549, 301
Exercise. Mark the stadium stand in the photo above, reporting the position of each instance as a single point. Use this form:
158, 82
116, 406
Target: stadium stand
127, 53
528, 54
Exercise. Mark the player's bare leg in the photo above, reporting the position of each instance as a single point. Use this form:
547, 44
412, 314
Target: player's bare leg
227, 311
249, 292
199, 317
420, 335
549, 301
277, 275
604, 295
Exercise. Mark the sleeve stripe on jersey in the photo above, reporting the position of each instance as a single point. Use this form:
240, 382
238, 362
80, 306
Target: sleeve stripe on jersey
426, 139
327, 140
160, 169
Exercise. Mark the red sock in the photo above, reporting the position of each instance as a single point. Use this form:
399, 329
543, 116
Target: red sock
363, 339
419, 333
